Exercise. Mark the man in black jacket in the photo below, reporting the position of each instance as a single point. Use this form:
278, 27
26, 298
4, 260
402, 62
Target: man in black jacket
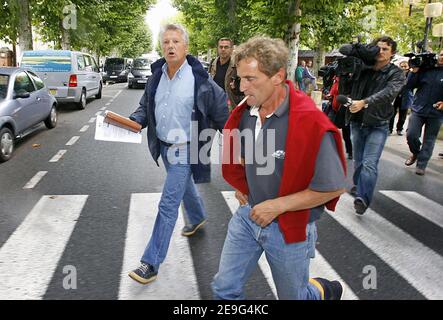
369, 115
426, 112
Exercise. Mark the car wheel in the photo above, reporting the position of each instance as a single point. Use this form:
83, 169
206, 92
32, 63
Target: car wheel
82, 103
6, 144
99, 94
51, 120
130, 86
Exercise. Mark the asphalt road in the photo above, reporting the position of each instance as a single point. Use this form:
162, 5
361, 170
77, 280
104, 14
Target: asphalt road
400, 241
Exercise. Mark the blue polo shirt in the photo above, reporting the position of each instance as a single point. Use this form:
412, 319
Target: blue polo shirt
264, 178
174, 102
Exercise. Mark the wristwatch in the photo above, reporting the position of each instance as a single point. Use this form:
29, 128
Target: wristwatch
366, 104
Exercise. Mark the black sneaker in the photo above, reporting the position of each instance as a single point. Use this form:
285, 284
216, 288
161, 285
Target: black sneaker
330, 290
399, 132
144, 274
189, 229
360, 206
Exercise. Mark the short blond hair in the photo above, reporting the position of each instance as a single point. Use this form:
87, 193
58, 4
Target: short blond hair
271, 54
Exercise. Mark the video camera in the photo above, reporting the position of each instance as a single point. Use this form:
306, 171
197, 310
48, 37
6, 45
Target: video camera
424, 61
328, 72
358, 57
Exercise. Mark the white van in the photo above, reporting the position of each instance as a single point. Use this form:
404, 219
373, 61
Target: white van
70, 76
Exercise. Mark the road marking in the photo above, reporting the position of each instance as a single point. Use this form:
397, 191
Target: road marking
318, 267
116, 95
91, 120
416, 263
72, 141
30, 256
35, 179
103, 108
106, 105
421, 205
58, 156
98, 113
176, 278
84, 128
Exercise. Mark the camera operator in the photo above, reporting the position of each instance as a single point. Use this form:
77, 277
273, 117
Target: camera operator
426, 111
369, 115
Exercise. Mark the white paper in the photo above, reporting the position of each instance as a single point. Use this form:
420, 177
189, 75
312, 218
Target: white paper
108, 132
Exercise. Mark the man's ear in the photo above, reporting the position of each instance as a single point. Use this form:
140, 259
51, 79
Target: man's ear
279, 77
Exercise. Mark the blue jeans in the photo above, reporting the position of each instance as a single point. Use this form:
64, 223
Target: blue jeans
368, 143
178, 186
413, 134
245, 243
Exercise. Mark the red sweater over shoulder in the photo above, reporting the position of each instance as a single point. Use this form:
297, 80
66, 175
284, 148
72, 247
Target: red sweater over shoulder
306, 127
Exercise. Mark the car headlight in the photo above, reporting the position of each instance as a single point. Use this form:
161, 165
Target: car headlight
130, 75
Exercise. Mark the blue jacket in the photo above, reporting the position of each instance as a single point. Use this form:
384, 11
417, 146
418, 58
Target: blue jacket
210, 106
429, 86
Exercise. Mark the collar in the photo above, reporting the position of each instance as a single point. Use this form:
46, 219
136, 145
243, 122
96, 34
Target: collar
179, 70
280, 111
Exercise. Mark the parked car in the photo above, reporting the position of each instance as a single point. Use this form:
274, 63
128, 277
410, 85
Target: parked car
70, 76
139, 73
116, 69
24, 102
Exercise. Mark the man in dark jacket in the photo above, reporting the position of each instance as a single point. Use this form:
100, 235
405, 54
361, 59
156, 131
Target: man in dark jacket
402, 103
180, 100
426, 112
369, 113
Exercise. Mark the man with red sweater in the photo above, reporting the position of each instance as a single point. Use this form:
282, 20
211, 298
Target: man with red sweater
283, 176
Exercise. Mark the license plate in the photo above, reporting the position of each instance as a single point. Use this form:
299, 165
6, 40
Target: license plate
53, 91
141, 81
114, 76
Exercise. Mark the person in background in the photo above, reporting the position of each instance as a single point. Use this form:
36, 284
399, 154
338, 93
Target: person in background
402, 103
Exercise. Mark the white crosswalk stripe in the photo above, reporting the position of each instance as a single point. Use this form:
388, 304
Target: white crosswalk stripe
318, 268
415, 262
35, 248
422, 206
176, 278
29, 257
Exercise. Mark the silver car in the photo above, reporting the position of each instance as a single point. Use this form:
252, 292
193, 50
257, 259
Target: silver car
24, 102
70, 76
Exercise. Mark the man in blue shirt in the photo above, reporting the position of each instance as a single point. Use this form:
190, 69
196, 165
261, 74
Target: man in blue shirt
425, 112
179, 102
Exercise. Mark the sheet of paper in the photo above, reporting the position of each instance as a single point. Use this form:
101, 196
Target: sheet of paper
108, 132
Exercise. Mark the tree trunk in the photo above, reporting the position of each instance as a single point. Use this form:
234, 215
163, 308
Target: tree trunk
66, 38
319, 59
14, 53
24, 28
293, 43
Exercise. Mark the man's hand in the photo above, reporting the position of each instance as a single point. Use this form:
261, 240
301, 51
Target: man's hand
242, 198
415, 70
439, 105
356, 106
263, 213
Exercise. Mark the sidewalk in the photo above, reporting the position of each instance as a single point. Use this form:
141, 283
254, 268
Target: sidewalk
400, 144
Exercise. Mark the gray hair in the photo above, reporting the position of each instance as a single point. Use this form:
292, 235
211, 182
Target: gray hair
175, 27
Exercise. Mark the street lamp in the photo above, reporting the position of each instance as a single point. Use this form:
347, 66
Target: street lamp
432, 10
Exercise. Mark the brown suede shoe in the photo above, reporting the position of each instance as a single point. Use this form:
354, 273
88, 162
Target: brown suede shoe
411, 160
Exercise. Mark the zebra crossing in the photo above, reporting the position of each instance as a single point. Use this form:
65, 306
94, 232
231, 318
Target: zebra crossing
31, 254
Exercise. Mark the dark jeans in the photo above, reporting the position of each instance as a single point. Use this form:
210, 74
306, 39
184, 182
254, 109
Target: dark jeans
368, 145
402, 113
432, 127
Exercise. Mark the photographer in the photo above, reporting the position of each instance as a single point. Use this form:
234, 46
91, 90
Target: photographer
369, 115
426, 111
